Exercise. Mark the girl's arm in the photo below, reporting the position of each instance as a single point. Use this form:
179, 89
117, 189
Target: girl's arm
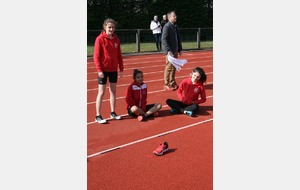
180, 91
203, 96
121, 66
129, 96
97, 49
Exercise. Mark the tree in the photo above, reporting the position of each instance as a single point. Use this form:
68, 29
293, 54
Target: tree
138, 13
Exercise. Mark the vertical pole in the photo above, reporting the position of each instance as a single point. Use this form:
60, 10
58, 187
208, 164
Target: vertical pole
138, 43
198, 37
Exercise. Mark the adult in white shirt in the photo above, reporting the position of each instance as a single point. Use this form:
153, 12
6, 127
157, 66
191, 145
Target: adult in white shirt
156, 30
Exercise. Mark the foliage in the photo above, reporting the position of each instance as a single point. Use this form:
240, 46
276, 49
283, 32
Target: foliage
138, 13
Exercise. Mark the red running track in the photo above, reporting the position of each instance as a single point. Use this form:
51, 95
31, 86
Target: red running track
120, 152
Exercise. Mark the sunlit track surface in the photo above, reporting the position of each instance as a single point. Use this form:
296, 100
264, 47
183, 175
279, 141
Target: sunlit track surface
112, 147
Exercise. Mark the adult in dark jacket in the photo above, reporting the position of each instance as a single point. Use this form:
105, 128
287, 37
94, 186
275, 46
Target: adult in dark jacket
164, 21
172, 46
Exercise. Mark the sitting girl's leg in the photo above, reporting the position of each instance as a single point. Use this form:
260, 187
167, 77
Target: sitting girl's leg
135, 111
176, 105
152, 108
191, 109
194, 108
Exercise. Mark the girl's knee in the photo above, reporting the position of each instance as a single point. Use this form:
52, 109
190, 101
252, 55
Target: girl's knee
134, 109
196, 107
100, 94
113, 92
158, 106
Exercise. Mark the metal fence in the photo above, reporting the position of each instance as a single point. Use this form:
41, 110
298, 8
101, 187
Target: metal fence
192, 38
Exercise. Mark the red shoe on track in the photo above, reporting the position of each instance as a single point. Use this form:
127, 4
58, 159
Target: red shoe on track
161, 149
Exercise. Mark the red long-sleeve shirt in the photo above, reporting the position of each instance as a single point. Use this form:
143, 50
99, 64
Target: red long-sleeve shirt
136, 95
107, 53
189, 92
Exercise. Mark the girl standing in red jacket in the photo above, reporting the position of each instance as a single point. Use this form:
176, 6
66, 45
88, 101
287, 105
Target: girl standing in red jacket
188, 93
107, 58
136, 98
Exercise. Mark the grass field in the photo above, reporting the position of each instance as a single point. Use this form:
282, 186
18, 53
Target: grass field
150, 47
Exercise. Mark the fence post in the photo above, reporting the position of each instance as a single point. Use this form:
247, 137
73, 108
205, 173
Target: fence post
137, 40
198, 37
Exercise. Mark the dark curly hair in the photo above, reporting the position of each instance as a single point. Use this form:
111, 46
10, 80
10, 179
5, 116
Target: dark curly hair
135, 72
201, 72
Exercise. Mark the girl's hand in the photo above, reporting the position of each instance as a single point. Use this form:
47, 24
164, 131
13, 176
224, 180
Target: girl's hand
101, 75
121, 74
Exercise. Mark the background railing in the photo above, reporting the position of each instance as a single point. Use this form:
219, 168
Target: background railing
141, 40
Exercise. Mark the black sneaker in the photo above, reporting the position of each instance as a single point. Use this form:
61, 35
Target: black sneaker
99, 119
115, 116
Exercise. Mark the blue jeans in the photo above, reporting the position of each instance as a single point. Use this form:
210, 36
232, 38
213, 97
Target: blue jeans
157, 38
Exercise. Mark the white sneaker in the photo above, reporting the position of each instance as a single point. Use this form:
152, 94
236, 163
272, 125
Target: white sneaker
189, 113
115, 116
99, 119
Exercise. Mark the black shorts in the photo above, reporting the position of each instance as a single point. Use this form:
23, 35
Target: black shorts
148, 107
112, 77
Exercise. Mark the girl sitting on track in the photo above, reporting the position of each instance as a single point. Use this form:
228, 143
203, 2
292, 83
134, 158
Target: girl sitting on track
136, 98
188, 94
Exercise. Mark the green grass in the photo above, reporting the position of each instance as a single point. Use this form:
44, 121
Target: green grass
150, 47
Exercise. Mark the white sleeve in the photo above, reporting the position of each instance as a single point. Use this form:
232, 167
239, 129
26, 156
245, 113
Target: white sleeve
153, 25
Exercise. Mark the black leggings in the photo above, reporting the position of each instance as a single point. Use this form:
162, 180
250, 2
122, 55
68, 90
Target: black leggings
181, 107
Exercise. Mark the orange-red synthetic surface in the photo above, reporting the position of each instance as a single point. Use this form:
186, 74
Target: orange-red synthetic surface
131, 165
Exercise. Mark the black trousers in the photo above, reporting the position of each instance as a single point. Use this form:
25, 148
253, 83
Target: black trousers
181, 107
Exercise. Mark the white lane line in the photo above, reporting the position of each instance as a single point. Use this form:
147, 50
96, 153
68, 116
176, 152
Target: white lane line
128, 62
151, 92
160, 65
207, 97
121, 97
151, 59
147, 138
148, 81
146, 73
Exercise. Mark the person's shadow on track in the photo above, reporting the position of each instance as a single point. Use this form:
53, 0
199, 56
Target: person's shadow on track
204, 110
209, 86
164, 113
